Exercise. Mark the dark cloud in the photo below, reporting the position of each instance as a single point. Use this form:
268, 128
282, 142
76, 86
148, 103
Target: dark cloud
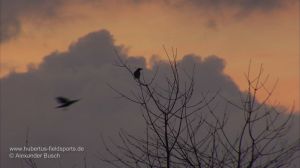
242, 5
212, 24
12, 11
84, 71
9, 29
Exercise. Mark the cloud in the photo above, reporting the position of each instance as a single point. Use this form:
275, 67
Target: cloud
243, 6
84, 71
247, 5
212, 24
12, 11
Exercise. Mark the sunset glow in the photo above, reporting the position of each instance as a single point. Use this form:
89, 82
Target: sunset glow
270, 37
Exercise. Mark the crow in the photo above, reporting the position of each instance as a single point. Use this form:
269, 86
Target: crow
65, 102
137, 73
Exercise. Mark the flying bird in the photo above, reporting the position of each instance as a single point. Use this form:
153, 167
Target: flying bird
137, 73
65, 102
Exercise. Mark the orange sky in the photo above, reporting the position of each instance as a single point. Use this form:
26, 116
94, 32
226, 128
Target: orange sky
270, 38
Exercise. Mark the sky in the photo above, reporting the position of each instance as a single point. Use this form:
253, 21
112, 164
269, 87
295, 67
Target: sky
240, 31
64, 48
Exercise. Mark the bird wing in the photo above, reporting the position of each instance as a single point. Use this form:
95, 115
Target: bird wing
62, 100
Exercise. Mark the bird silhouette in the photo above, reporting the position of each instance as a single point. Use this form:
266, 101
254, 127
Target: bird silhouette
137, 73
65, 102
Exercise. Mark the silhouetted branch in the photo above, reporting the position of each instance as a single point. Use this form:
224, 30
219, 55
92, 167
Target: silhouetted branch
187, 131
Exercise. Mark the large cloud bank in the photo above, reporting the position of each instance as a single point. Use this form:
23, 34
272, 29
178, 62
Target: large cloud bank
84, 71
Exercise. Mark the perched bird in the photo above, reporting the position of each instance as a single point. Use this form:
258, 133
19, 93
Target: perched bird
137, 73
65, 102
